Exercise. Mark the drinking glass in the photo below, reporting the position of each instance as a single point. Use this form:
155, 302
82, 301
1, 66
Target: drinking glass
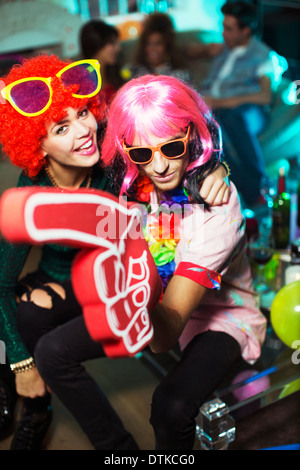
261, 248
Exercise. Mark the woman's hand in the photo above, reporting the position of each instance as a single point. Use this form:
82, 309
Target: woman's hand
30, 384
215, 188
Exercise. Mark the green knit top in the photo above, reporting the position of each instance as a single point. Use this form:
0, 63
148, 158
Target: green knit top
56, 260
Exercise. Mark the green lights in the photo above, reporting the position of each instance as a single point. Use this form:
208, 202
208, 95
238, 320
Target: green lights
286, 196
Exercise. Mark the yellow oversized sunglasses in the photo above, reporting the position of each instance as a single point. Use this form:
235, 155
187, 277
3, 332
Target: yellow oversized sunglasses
33, 95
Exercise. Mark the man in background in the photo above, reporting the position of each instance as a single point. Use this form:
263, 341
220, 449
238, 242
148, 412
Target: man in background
239, 90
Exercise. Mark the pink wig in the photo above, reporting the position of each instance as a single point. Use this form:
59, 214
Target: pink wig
158, 105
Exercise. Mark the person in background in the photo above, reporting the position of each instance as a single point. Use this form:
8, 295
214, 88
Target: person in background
165, 142
52, 137
100, 41
157, 49
239, 90
196, 50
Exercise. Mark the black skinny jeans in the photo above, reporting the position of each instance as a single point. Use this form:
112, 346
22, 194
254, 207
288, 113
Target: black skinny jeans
59, 341
177, 399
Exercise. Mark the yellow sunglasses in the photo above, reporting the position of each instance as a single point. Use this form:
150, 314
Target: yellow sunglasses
33, 95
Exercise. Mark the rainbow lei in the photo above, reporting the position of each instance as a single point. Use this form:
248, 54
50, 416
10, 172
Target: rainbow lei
163, 231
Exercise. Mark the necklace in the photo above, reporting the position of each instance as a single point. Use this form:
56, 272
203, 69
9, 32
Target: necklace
162, 227
56, 185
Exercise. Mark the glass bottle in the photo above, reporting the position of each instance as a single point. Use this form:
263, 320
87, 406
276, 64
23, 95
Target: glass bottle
281, 214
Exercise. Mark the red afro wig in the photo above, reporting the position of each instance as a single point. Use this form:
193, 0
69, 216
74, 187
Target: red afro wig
21, 136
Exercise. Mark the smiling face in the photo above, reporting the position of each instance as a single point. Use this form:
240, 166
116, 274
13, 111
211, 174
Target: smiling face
72, 142
166, 174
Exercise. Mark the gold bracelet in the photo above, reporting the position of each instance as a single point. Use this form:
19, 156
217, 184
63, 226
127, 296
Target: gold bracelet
23, 366
225, 165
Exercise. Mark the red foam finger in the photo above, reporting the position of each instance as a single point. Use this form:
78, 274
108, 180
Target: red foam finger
114, 275
86, 276
81, 218
117, 290
116, 349
12, 214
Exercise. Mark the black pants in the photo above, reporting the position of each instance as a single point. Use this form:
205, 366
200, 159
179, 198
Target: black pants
59, 341
177, 399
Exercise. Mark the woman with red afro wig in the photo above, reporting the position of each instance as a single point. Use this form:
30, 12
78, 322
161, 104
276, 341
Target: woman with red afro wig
55, 146
21, 137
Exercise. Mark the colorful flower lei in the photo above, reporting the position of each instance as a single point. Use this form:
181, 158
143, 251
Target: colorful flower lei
163, 231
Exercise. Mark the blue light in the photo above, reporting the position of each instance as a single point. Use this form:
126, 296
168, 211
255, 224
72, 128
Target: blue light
280, 65
85, 11
248, 213
290, 96
162, 6
147, 6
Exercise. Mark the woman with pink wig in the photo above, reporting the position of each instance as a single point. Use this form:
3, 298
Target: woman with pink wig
162, 140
